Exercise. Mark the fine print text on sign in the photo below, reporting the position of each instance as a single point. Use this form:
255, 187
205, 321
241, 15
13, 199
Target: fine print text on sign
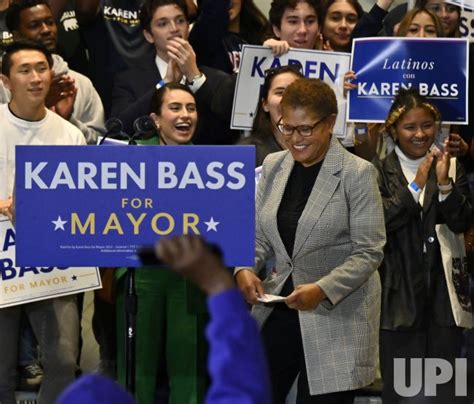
98, 206
19, 285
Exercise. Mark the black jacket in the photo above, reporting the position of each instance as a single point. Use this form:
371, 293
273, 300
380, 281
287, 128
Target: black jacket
134, 88
413, 283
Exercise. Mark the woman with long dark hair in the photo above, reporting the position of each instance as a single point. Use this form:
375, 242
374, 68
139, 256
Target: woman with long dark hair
339, 19
265, 135
171, 313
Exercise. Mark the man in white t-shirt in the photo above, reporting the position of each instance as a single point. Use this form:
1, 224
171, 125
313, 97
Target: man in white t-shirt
26, 72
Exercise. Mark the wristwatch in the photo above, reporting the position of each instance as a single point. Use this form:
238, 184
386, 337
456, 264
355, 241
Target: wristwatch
196, 77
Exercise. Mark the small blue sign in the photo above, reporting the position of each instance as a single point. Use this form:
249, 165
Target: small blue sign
90, 205
437, 67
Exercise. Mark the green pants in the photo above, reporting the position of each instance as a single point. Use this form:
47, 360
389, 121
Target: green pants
169, 337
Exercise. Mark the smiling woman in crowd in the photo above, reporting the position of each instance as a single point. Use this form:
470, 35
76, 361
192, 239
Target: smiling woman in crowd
418, 194
339, 20
312, 216
171, 312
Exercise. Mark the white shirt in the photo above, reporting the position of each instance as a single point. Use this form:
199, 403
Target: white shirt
162, 66
51, 130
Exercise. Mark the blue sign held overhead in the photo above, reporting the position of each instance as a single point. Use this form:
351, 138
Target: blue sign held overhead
86, 206
385, 65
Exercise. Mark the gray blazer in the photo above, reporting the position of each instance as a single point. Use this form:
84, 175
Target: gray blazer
338, 244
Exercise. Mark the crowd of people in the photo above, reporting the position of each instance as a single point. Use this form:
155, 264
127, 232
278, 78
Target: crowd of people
346, 229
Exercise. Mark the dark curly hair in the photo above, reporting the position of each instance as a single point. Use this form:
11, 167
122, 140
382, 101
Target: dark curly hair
150, 6
278, 7
313, 95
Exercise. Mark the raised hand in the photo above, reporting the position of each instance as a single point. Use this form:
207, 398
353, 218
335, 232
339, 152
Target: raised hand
6, 207
173, 73
348, 84
321, 44
443, 160
181, 52
191, 257
278, 47
456, 146
61, 87
422, 174
65, 105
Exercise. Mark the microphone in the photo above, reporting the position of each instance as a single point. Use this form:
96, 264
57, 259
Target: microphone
148, 256
113, 129
144, 127
113, 126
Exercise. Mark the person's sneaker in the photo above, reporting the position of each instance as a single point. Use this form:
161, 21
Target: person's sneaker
30, 377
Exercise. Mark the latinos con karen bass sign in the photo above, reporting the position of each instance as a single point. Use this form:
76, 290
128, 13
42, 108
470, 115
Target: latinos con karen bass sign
437, 67
97, 206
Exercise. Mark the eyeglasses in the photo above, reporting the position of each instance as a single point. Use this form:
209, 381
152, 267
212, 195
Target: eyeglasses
303, 130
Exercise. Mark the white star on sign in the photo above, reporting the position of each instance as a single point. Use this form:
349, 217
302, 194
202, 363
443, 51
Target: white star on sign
211, 225
59, 224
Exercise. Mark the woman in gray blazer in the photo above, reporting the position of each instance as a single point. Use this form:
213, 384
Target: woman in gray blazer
319, 213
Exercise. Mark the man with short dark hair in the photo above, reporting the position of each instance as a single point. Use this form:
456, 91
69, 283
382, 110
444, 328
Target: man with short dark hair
72, 94
295, 24
166, 26
25, 120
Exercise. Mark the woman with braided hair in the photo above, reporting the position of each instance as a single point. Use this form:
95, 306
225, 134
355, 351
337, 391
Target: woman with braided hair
418, 193
417, 23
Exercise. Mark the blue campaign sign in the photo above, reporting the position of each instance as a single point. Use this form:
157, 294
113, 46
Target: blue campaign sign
80, 206
437, 67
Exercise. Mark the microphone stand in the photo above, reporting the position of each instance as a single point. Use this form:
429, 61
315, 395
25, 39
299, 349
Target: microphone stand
131, 302
142, 128
131, 324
